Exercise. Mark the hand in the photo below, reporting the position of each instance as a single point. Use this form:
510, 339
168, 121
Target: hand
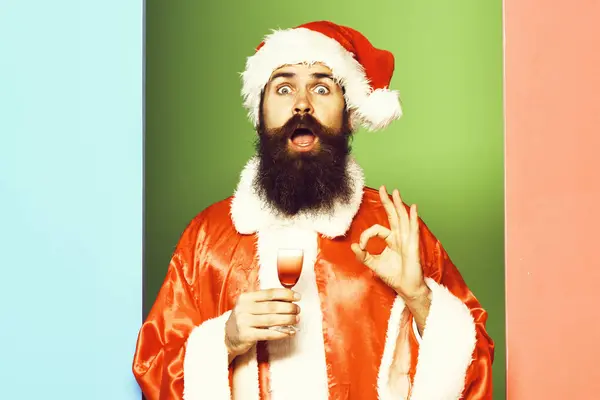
398, 265
254, 313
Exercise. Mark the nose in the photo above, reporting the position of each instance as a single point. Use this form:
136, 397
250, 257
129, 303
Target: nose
302, 105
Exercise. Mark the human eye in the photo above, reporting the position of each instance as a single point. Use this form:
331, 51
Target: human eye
322, 89
284, 90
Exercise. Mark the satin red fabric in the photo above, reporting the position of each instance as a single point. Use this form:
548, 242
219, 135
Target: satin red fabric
213, 264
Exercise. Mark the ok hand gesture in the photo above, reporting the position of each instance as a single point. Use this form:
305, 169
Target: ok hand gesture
399, 264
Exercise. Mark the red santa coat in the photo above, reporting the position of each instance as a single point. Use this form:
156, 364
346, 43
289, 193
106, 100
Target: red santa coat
356, 339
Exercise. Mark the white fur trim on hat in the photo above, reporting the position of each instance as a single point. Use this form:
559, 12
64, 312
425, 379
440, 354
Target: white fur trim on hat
374, 109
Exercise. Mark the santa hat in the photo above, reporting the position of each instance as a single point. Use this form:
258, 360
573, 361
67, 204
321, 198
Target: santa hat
364, 71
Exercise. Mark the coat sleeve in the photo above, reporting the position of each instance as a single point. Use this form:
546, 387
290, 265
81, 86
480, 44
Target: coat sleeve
180, 351
455, 352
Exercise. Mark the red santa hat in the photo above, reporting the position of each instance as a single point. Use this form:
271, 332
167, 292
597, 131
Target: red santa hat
364, 71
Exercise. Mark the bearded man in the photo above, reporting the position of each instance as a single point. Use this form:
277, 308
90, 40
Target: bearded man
379, 310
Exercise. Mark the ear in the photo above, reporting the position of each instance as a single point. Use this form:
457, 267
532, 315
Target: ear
353, 121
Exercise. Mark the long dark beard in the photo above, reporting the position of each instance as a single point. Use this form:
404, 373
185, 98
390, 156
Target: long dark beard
311, 181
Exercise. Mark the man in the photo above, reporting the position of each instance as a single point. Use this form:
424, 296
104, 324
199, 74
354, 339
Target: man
379, 311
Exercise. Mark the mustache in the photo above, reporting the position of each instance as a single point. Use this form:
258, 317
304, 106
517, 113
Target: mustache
305, 122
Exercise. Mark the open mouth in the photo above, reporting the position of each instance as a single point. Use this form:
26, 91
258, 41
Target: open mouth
303, 139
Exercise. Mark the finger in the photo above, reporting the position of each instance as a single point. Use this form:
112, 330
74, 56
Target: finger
364, 256
275, 294
414, 221
269, 320
389, 209
272, 334
285, 329
274, 307
402, 214
414, 228
375, 231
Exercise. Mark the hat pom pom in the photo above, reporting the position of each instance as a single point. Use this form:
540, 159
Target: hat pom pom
381, 107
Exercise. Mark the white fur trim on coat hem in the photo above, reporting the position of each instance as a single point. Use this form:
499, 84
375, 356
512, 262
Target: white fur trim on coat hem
416, 331
206, 362
383, 383
446, 349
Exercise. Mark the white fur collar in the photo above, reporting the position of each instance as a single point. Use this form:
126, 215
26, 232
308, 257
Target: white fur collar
250, 213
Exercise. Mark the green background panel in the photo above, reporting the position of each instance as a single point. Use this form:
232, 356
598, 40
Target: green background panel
445, 154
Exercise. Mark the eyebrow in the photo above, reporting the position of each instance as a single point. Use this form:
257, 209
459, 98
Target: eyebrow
315, 75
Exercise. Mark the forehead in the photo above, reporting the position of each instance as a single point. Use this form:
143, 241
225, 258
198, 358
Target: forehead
302, 71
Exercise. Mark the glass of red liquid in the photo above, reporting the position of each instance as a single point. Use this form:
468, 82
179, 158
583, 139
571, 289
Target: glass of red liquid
289, 268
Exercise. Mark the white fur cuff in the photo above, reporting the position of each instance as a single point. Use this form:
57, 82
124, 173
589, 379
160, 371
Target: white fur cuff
446, 349
206, 362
